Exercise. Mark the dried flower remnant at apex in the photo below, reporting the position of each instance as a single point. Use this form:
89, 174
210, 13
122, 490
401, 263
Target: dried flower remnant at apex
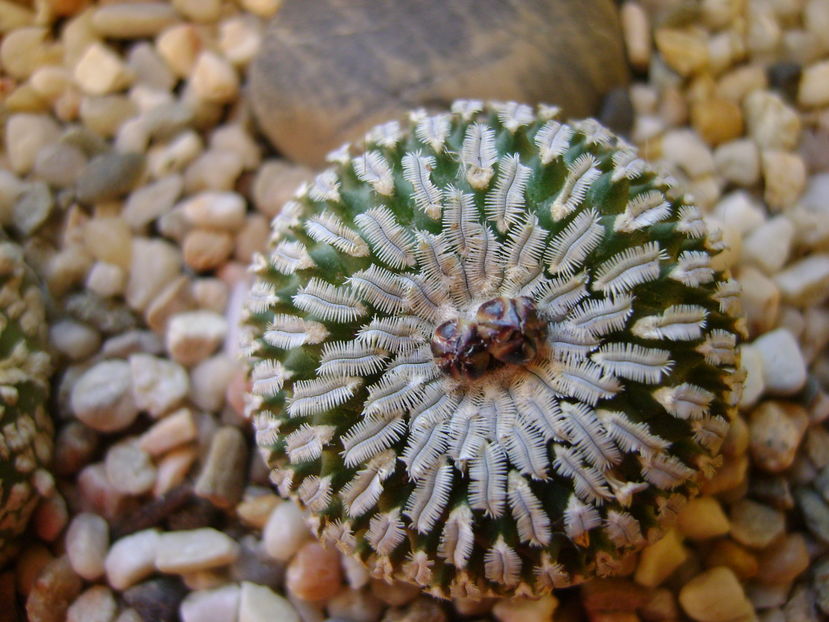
490, 354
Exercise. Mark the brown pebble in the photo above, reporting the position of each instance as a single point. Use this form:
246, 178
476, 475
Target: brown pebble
728, 553
314, 572
784, 561
8, 597
205, 249
222, 478
74, 448
55, 589
717, 120
607, 595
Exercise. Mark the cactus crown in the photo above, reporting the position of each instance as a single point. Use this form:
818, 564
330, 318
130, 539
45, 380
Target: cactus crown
490, 353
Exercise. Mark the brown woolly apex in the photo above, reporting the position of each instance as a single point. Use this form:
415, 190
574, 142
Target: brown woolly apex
489, 351
25, 426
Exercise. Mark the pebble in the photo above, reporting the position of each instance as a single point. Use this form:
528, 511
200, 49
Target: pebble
262, 8
216, 210
214, 79
769, 245
100, 70
129, 469
805, 282
26, 134
210, 294
684, 148
314, 572
754, 385
109, 176
209, 380
258, 603
239, 39
102, 397
760, 300
97, 494
395, 594
756, 525
738, 161
525, 609
783, 364
216, 605
776, 430
179, 46
684, 51
149, 202
728, 553
74, 448
105, 114
785, 177
97, 604
206, 249
173, 430
158, 385
659, 560
131, 559
59, 164
714, 596
106, 279
154, 264
32, 207
53, 591
820, 583
702, 519
636, 29
23, 50
355, 606
174, 155
740, 81
157, 599
814, 85
50, 517
174, 298
194, 335
275, 184
166, 119
199, 10
149, 68
133, 20
29, 564
215, 169
784, 560
87, 541
285, 531
187, 551
222, 477
717, 120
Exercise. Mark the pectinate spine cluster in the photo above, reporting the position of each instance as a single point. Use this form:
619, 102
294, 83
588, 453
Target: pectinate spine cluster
609, 369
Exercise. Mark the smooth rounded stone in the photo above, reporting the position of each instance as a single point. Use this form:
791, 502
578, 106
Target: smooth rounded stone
74, 339
50, 517
158, 385
258, 603
102, 397
133, 20
222, 477
194, 335
702, 519
252, 238
100, 70
218, 210
769, 245
717, 120
179, 46
313, 87
210, 294
174, 298
659, 560
776, 430
684, 148
97, 604
736, 440
50, 81
771, 122
714, 596
188, 551
97, 495
262, 8
820, 583
783, 364
785, 176
814, 85
87, 541
214, 79
356, 606
275, 184
157, 599
285, 532
105, 114
149, 68
215, 170
131, 341
53, 591
129, 469
209, 380
59, 164
805, 282
784, 560
29, 564
23, 50
166, 118
817, 449
760, 300
256, 507
154, 264
738, 161
109, 240
32, 207
149, 202
74, 447
636, 28
106, 279
173, 430
14, 16
756, 525
684, 51
314, 572
811, 228
754, 385
240, 38
109, 176
173, 467
525, 609
726, 552
26, 135
737, 83
394, 594
199, 10
816, 19
216, 605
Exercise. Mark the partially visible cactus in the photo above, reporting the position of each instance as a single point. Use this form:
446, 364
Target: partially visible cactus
490, 353
25, 427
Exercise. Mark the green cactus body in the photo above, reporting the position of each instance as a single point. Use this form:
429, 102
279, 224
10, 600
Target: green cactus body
489, 353
25, 427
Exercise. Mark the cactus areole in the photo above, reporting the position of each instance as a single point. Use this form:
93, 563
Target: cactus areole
489, 352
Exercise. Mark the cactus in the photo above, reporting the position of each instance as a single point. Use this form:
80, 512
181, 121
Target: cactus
490, 353
25, 427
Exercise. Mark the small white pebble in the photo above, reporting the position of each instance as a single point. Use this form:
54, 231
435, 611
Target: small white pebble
783, 365
261, 604
285, 531
158, 385
100, 70
192, 336
129, 469
87, 541
214, 79
102, 397
132, 558
193, 550
74, 339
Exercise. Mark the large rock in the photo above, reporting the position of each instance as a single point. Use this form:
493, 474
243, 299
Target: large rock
328, 69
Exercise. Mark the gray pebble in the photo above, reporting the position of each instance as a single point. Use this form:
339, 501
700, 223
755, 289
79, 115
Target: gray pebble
815, 512
59, 164
109, 176
32, 207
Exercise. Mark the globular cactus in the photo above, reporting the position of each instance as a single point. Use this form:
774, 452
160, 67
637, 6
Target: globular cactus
25, 427
490, 353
